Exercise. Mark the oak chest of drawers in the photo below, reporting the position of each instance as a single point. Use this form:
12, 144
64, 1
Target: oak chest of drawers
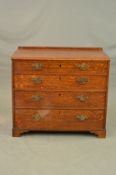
60, 89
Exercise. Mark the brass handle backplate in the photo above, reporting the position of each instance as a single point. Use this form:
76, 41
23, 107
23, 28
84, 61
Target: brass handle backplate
83, 66
37, 66
83, 80
36, 98
37, 80
82, 98
81, 117
36, 117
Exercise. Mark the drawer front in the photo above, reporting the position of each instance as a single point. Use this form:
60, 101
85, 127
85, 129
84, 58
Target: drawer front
60, 67
59, 83
59, 100
50, 119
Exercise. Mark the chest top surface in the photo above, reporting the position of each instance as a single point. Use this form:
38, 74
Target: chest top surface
59, 53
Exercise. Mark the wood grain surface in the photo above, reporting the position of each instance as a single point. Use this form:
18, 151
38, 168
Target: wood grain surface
60, 89
59, 83
59, 100
70, 67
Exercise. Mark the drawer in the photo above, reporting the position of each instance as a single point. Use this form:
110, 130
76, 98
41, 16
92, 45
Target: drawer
59, 83
62, 119
60, 100
60, 67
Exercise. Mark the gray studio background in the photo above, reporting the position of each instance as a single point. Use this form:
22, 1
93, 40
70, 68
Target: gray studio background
56, 23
